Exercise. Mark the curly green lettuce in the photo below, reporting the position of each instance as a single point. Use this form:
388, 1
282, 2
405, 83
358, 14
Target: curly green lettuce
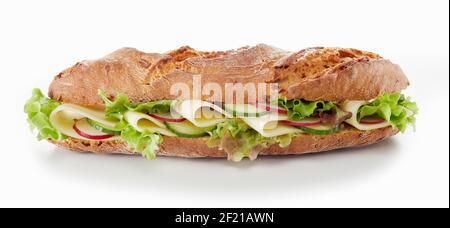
240, 141
146, 143
394, 108
299, 109
38, 109
121, 104
114, 109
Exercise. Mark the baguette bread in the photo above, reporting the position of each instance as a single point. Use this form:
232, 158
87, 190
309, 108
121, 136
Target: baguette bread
329, 74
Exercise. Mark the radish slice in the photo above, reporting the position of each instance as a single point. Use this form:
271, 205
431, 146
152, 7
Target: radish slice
303, 122
167, 118
82, 128
372, 120
270, 108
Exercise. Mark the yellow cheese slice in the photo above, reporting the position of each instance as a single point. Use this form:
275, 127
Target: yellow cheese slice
200, 113
142, 122
353, 107
269, 126
64, 116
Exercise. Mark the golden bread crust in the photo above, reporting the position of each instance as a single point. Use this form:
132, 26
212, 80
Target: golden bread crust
312, 74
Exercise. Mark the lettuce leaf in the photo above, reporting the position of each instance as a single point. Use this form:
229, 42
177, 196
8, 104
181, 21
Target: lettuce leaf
156, 107
38, 108
146, 143
299, 109
240, 141
394, 108
116, 109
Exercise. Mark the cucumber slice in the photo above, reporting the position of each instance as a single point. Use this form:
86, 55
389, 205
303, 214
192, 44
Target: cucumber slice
186, 129
99, 127
245, 110
322, 129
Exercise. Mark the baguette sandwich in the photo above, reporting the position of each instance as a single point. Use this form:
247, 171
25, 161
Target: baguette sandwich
240, 103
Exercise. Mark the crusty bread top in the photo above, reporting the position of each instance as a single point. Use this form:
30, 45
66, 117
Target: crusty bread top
333, 74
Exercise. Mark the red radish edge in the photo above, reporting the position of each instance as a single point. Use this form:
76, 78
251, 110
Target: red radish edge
167, 119
271, 108
88, 136
371, 120
302, 123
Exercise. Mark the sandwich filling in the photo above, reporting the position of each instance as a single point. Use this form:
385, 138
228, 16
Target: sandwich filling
241, 130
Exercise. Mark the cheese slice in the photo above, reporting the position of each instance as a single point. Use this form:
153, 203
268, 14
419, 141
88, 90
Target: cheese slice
269, 126
353, 107
64, 116
142, 122
200, 113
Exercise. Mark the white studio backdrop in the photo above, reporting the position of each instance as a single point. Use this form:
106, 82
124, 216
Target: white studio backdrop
38, 39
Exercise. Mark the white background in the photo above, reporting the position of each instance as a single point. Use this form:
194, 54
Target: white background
40, 38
